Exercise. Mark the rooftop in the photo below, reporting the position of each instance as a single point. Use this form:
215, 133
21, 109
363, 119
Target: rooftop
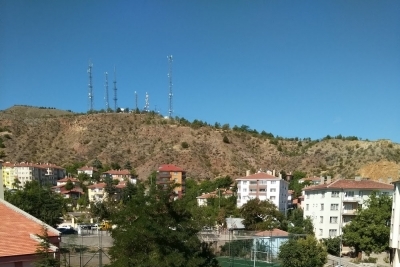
351, 184
259, 176
170, 168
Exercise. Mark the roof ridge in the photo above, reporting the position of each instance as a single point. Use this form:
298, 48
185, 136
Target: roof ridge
335, 181
27, 215
39, 240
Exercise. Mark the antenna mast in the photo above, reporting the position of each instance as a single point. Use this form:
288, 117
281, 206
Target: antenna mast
115, 91
147, 104
90, 86
136, 108
170, 85
106, 92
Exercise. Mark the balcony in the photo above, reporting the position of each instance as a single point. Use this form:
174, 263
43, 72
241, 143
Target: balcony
349, 212
352, 199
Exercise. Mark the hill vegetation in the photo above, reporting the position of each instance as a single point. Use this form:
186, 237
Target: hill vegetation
205, 151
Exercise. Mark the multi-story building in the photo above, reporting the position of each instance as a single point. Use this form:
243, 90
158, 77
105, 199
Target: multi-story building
264, 186
88, 170
120, 175
334, 204
394, 242
44, 173
97, 192
219, 193
168, 174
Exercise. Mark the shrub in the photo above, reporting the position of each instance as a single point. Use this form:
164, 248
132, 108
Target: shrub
226, 140
184, 145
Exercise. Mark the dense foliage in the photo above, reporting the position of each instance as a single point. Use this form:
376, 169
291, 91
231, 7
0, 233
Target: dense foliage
369, 230
261, 215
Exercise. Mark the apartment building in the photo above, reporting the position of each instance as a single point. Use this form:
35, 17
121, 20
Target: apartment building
44, 173
120, 175
332, 205
264, 186
87, 170
394, 242
97, 192
168, 174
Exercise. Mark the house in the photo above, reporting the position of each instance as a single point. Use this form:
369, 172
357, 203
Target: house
264, 186
73, 193
269, 242
170, 174
18, 236
332, 205
313, 180
97, 192
394, 239
87, 170
44, 173
203, 199
120, 175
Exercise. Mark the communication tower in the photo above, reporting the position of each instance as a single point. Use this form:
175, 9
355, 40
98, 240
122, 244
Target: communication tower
115, 91
136, 108
147, 103
90, 95
106, 92
170, 85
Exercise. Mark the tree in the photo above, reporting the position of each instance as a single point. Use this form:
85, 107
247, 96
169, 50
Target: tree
261, 215
332, 245
159, 232
299, 225
369, 230
302, 252
97, 164
45, 253
226, 140
115, 166
69, 185
127, 165
39, 202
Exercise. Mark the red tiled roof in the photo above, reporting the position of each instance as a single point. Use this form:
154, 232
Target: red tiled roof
258, 176
118, 172
170, 168
275, 232
206, 196
351, 184
16, 229
33, 165
98, 185
68, 178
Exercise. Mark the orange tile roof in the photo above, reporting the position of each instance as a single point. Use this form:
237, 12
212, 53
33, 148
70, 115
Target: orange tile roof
275, 232
351, 184
118, 172
170, 168
33, 165
16, 229
258, 176
98, 185
87, 168
68, 178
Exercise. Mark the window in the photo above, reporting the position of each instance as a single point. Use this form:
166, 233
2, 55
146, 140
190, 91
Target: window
307, 195
273, 182
349, 194
334, 206
321, 219
273, 198
244, 190
335, 193
306, 206
323, 194
332, 232
320, 232
322, 206
244, 182
333, 219
272, 190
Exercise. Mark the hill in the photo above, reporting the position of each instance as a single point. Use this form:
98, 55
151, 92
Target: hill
148, 140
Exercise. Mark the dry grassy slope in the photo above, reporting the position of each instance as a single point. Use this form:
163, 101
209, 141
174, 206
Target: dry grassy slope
147, 141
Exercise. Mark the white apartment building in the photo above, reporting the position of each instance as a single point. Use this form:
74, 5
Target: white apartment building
333, 204
264, 186
88, 170
394, 242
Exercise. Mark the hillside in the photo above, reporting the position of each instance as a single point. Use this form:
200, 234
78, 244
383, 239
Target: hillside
147, 140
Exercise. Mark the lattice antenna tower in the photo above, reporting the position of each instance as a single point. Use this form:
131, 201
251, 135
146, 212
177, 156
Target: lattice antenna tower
115, 90
136, 107
147, 103
106, 92
170, 85
90, 86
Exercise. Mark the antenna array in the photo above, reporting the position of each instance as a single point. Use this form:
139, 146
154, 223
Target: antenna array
90, 95
136, 108
115, 91
106, 92
170, 85
147, 103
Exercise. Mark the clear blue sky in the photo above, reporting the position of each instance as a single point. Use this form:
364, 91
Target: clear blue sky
292, 68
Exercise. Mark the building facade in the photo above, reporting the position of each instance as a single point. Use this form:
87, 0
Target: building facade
168, 174
333, 205
394, 242
264, 186
87, 170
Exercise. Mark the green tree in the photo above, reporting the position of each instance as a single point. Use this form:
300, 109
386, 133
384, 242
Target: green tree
44, 251
97, 164
298, 224
302, 252
369, 230
127, 165
332, 245
155, 231
39, 202
69, 185
261, 215
226, 140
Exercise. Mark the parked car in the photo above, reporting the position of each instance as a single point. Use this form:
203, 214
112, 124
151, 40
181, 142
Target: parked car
67, 231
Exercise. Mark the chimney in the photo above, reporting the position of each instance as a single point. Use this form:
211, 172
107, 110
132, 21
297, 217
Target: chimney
322, 179
328, 179
247, 172
357, 178
273, 172
1, 180
389, 180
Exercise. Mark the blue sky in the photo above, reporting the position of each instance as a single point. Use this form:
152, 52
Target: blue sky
292, 68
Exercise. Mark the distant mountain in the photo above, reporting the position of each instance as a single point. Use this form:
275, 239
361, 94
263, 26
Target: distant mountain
148, 140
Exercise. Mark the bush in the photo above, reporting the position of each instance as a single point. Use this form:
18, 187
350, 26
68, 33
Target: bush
370, 260
184, 145
226, 140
